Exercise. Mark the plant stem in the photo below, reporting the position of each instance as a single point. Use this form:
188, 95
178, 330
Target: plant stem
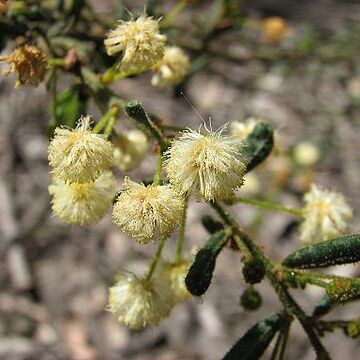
110, 126
267, 205
173, 13
280, 346
56, 62
181, 238
112, 112
157, 176
291, 276
271, 272
156, 259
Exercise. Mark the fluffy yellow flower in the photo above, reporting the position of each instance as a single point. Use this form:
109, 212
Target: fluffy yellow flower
326, 214
252, 184
130, 149
211, 164
29, 63
274, 29
140, 41
77, 155
243, 129
83, 204
147, 212
139, 302
306, 154
173, 275
173, 68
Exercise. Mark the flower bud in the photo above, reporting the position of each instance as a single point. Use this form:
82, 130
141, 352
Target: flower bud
251, 299
253, 271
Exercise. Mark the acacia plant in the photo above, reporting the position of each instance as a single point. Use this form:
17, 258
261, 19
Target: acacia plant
52, 38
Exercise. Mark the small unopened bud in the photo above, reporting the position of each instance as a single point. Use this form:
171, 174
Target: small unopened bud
250, 299
253, 271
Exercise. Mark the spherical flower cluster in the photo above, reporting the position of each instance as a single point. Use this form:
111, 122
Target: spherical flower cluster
243, 129
274, 29
172, 69
252, 184
326, 214
140, 41
147, 212
130, 149
173, 275
210, 164
306, 154
83, 203
29, 63
139, 302
77, 155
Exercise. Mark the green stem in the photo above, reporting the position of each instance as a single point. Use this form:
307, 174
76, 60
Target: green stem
158, 171
281, 289
110, 126
181, 238
113, 74
156, 259
333, 324
290, 276
171, 127
112, 113
267, 205
281, 342
56, 62
173, 13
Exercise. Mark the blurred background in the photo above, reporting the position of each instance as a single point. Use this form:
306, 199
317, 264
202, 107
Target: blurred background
301, 74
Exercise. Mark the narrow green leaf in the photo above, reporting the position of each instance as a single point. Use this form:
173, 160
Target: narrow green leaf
69, 106
213, 17
211, 225
343, 250
254, 343
324, 306
259, 144
135, 111
200, 273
